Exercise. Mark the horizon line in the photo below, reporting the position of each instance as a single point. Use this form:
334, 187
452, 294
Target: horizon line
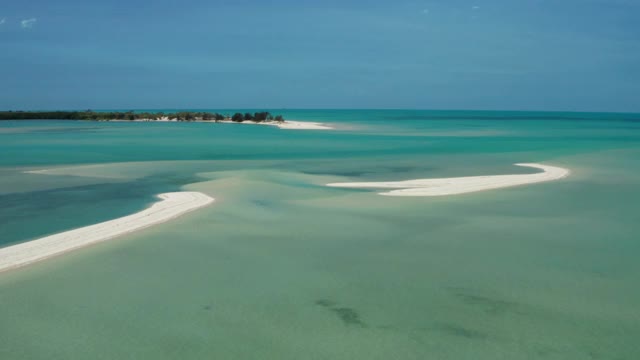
239, 109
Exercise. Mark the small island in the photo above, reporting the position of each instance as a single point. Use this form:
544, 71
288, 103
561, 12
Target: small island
261, 118
90, 115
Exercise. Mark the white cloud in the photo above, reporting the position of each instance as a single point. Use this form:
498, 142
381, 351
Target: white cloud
476, 7
28, 23
3, 20
425, 11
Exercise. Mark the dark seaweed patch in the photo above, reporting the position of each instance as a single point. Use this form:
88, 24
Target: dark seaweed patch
338, 173
367, 172
491, 306
403, 169
349, 316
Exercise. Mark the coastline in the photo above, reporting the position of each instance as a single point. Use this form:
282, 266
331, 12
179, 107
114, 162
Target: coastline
461, 185
171, 206
285, 125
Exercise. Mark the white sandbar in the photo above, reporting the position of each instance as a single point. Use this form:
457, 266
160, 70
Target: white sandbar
171, 206
461, 185
287, 124
303, 125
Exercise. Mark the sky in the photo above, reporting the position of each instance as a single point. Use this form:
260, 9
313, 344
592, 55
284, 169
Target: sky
557, 55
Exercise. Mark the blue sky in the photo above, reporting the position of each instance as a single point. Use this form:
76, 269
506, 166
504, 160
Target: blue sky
576, 55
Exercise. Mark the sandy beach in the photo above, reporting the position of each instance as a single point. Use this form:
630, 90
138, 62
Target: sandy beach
169, 207
287, 124
302, 125
461, 185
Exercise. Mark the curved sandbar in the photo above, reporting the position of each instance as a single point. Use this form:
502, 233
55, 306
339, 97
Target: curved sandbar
462, 185
171, 206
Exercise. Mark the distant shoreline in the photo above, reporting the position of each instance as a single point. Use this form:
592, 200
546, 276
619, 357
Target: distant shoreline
286, 124
257, 118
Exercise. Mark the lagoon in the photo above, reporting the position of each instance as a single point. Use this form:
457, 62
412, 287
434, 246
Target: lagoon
283, 267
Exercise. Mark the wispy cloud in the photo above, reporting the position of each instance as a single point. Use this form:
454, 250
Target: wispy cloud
425, 11
3, 20
28, 23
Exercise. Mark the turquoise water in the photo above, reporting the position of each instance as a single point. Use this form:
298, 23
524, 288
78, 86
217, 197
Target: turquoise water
282, 267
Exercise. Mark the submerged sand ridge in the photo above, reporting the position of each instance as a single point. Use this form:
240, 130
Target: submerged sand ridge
171, 206
461, 185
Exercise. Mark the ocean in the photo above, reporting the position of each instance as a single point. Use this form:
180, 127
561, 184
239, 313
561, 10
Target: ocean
283, 267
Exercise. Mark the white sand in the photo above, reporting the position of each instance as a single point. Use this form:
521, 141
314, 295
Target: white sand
303, 125
171, 206
43, 171
287, 124
461, 185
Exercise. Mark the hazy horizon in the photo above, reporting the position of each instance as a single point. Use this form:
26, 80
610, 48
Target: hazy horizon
228, 109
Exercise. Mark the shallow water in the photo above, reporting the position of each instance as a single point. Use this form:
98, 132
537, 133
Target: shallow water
281, 267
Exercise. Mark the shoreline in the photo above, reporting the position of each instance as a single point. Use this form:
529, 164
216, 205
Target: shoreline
171, 206
461, 185
285, 125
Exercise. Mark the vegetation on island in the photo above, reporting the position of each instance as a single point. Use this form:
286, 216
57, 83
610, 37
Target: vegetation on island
264, 116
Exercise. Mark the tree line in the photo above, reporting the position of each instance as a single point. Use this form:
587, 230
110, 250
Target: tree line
131, 115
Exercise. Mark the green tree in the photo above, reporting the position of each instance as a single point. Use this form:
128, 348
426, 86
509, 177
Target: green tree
261, 116
237, 117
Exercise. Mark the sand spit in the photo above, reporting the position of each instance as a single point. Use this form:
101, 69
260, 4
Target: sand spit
303, 125
171, 206
461, 185
43, 171
286, 125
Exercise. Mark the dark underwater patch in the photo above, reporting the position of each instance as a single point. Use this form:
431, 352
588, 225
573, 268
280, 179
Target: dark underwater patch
349, 316
261, 203
492, 306
75, 206
347, 173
